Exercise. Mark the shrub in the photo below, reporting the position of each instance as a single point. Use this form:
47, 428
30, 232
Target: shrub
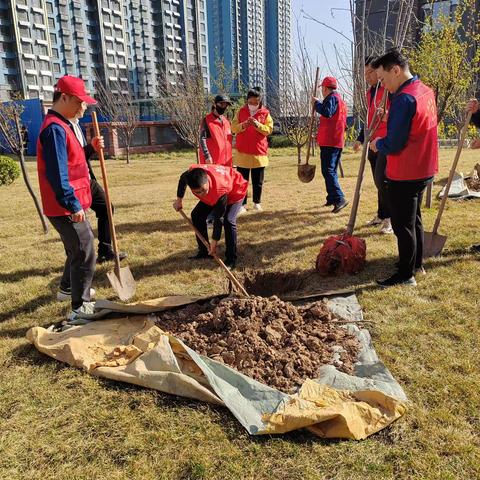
9, 170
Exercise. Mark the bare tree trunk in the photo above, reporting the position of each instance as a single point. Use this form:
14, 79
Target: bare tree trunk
428, 196
32, 193
27, 180
128, 153
299, 154
197, 156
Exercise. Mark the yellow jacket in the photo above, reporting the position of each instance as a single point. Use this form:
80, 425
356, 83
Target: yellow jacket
246, 160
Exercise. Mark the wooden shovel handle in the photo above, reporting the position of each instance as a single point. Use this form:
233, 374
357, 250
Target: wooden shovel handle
230, 275
107, 198
463, 134
312, 119
369, 132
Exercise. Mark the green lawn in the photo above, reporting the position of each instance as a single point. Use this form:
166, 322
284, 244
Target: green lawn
57, 422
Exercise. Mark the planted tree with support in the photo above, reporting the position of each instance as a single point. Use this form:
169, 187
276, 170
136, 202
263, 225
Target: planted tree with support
294, 107
185, 103
447, 59
11, 139
117, 103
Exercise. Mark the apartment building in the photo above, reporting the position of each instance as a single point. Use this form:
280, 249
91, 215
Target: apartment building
131, 43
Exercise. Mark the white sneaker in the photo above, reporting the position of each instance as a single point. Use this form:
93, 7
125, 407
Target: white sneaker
243, 210
257, 207
387, 226
374, 221
63, 296
86, 311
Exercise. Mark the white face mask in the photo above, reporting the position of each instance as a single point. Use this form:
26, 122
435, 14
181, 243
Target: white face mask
253, 109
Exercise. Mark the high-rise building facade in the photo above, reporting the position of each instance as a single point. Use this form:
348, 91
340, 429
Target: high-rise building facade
252, 38
278, 25
133, 43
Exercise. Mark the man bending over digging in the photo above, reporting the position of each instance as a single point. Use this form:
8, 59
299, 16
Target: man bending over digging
221, 191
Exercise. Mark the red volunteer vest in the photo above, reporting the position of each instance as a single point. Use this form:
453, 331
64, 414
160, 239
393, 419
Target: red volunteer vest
372, 105
223, 180
220, 142
78, 175
331, 131
419, 158
250, 141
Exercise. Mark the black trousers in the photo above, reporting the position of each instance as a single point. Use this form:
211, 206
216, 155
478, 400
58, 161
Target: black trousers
99, 206
378, 162
258, 176
199, 219
78, 240
405, 200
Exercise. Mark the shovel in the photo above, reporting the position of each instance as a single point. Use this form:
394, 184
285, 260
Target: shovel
120, 278
306, 172
433, 243
230, 275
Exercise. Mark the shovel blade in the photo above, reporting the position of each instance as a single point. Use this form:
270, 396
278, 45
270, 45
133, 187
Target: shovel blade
124, 284
433, 244
306, 172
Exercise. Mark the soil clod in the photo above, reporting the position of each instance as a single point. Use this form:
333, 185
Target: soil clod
267, 339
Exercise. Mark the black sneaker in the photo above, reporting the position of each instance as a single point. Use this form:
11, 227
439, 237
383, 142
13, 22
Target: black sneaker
199, 256
110, 257
339, 206
230, 264
328, 204
396, 279
475, 248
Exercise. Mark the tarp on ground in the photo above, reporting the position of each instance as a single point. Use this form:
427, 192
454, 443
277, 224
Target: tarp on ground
459, 189
133, 349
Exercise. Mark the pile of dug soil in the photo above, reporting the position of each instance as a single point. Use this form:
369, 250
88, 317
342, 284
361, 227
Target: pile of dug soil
271, 341
473, 182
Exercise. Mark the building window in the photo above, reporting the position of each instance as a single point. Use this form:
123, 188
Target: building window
24, 32
41, 49
53, 38
46, 80
10, 62
44, 65
31, 79
56, 68
39, 34
27, 48
22, 15
51, 22
55, 52
38, 18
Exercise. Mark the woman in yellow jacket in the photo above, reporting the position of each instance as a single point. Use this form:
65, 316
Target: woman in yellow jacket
252, 125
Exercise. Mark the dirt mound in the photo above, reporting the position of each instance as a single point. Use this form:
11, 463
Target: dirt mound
473, 183
269, 340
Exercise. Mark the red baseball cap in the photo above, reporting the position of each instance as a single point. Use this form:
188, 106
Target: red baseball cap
330, 82
74, 86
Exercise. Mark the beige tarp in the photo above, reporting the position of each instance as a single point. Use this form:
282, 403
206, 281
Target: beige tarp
134, 350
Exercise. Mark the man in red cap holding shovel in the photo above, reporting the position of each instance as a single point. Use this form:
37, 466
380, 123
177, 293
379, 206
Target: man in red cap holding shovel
65, 190
331, 139
221, 191
411, 147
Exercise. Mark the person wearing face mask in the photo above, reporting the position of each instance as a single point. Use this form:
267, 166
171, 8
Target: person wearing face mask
99, 202
331, 139
377, 160
216, 134
65, 191
220, 191
411, 147
252, 125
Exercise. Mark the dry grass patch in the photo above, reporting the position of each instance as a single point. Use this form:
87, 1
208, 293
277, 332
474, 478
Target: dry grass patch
57, 422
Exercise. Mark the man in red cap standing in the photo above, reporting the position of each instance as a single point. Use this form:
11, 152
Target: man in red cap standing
331, 139
65, 191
